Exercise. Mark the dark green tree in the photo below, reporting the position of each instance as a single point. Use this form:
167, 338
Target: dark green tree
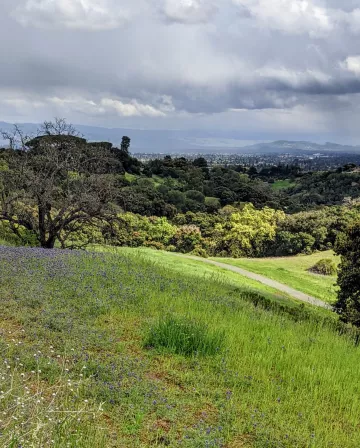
125, 144
55, 187
348, 303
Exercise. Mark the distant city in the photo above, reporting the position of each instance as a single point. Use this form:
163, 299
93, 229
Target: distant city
307, 162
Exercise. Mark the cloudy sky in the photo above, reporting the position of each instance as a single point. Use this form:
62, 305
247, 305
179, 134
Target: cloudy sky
268, 69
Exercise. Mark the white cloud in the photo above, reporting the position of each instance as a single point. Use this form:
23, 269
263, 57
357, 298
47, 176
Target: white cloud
313, 17
291, 16
131, 109
352, 64
66, 105
105, 106
77, 14
293, 78
95, 107
189, 11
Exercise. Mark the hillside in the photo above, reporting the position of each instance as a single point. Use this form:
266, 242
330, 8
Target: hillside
114, 350
294, 272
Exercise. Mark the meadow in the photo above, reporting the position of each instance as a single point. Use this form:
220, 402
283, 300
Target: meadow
113, 350
294, 272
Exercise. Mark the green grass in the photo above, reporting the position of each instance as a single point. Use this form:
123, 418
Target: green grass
201, 272
282, 184
293, 271
184, 336
77, 324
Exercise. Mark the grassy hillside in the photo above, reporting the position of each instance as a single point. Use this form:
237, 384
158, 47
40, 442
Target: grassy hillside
112, 350
293, 271
203, 272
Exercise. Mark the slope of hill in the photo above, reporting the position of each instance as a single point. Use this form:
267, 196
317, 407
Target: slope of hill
230, 274
293, 271
112, 350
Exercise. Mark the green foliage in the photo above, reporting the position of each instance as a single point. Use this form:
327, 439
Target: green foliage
209, 210
187, 238
235, 231
212, 204
323, 188
326, 266
125, 144
55, 186
248, 231
287, 243
135, 230
348, 303
17, 235
199, 251
184, 336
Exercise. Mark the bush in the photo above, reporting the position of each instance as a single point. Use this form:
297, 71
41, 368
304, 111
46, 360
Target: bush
326, 266
154, 245
348, 303
187, 238
23, 238
184, 337
199, 252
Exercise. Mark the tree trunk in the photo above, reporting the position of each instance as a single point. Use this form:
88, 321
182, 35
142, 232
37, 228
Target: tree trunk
50, 243
42, 227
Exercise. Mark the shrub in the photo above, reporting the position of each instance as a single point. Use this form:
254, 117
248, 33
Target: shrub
199, 252
187, 238
184, 337
154, 245
348, 303
326, 266
23, 237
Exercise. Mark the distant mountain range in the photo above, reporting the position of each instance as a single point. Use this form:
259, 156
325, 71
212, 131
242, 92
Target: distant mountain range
285, 146
195, 141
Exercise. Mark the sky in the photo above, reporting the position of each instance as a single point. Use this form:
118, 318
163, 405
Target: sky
260, 69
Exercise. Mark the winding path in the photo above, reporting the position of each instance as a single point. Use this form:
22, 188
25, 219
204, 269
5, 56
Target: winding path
265, 281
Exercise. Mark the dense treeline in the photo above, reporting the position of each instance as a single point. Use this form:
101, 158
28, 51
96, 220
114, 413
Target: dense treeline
324, 188
192, 186
58, 188
235, 232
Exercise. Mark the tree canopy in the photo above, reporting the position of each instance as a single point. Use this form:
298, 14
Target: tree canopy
348, 303
53, 185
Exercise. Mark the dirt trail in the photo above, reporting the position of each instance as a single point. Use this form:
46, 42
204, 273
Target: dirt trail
266, 281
